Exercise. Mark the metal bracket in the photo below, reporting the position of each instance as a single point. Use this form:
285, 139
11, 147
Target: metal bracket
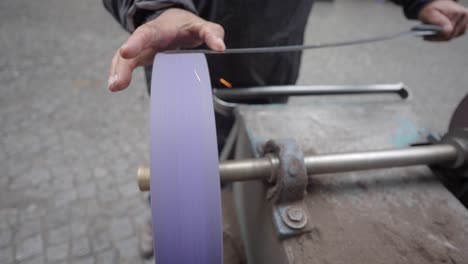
288, 188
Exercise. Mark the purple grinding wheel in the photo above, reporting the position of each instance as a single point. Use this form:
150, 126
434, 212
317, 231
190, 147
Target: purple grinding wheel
460, 116
185, 184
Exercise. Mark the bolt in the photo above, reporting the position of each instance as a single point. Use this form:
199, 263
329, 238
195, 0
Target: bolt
295, 214
295, 167
294, 217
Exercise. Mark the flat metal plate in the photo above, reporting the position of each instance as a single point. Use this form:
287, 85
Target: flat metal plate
400, 215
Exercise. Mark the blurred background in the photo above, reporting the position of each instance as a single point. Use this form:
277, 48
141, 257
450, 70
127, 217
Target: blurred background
69, 149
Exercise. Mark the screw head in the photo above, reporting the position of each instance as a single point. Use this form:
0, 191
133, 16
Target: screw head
294, 217
295, 214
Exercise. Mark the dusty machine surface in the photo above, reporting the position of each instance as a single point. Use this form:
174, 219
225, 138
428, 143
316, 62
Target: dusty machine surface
396, 215
355, 178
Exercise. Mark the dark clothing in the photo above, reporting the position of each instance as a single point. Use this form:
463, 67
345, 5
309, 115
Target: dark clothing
246, 24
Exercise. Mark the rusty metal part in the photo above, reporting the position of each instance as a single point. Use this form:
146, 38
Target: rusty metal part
294, 217
290, 180
288, 187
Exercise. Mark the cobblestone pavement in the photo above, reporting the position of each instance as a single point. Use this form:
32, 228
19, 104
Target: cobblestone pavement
69, 149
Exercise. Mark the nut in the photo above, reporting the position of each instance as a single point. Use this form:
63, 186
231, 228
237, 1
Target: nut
294, 217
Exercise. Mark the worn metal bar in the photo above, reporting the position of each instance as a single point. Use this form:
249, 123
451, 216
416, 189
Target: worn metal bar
257, 169
301, 90
427, 155
249, 169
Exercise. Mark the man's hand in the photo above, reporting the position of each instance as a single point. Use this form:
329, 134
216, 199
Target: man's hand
174, 28
452, 17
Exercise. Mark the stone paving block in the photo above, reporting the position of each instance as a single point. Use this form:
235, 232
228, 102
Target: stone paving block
108, 196
121, 228
79, 228
34, 260
57, 216
100, 172
87, 260
16, 167
84, 208
28, 229
109, 256
100, 241
129, 189
65, 198
80, 247
62, 183
98, 225
20, 182
6, 236
29, 247
57, 253
8, 217
86, 190
6, 255
82, 174
128, 250
33, 177
32, 212
59, 235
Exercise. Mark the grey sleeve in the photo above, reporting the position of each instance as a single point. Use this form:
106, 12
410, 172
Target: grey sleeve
411, 8
132, 13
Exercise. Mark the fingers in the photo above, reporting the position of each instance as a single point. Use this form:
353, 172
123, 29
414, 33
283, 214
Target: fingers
460, 26
211, 34
145, 36
451, 16
435, 17
120, 74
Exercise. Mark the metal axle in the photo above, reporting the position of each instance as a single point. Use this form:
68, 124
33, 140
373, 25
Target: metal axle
258, 169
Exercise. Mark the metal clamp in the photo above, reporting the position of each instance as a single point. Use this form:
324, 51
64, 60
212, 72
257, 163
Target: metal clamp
288, 188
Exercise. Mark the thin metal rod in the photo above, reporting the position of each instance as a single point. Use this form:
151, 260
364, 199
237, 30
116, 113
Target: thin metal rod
297, 90
300, 47
427, 155
419, 30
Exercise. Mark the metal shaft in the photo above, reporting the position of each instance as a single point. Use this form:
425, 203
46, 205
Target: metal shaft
427, 155
257, 169
249, 169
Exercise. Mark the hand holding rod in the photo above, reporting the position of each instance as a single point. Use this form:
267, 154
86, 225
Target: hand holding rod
419, 30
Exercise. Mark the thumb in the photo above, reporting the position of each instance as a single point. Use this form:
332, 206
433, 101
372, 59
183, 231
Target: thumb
212, 35
435, 17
